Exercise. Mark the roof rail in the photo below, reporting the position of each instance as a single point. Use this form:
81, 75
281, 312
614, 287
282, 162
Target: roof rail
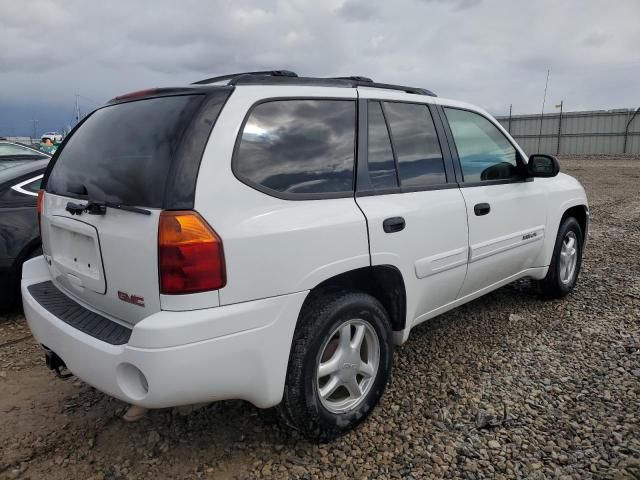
353, 77
231, 76
287, 77
345, 82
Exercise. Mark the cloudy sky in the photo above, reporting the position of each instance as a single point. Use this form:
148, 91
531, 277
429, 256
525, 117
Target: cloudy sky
490, 52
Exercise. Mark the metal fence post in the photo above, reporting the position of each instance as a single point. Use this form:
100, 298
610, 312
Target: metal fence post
559, 128
626, 130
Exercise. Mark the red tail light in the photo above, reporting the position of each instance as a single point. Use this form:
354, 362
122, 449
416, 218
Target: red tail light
190, 254
40, 197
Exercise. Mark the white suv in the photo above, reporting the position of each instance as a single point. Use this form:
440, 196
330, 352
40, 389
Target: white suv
270, 237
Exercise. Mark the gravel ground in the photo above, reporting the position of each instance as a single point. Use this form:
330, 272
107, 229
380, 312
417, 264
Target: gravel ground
508, 386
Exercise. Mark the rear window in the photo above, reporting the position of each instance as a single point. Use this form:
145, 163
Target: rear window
415, 142
12, 150
297, 147
124, 153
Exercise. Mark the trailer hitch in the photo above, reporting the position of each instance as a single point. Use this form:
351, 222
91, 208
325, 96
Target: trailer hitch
55, 363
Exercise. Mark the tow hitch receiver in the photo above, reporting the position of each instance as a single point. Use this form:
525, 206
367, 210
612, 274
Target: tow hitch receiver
55, 363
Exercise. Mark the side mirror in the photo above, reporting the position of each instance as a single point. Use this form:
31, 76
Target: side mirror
541, 165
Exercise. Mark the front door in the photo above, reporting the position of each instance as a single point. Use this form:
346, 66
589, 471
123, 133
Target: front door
506, 213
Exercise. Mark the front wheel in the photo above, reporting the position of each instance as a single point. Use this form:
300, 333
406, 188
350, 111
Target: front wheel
339, 365
565, 264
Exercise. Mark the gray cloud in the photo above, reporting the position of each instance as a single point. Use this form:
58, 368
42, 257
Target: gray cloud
458, 4
489, 53
357, 10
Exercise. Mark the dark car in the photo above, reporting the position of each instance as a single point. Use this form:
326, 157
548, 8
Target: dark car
19, 236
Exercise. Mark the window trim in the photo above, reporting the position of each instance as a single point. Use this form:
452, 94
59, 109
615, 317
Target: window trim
297, 196
364, 147
364, 187
521, 165
391, 142
18, 186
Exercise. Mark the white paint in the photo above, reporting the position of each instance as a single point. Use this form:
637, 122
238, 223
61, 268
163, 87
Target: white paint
235, 342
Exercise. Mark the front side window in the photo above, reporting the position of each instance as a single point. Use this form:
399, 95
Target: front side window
416, 145
484, 152
299, 146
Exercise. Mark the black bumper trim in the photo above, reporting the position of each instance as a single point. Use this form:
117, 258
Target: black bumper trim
74, 314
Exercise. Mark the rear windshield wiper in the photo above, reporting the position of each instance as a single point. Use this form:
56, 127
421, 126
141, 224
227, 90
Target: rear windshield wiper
93, 207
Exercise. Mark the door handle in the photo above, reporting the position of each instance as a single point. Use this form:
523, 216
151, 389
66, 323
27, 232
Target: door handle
482, 209
393, 224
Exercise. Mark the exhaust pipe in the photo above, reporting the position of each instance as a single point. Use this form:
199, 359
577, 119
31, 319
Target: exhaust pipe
55, 363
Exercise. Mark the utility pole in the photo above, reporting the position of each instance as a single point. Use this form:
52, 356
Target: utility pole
559, 126
35, 128
509, 129
77, 110
544, 99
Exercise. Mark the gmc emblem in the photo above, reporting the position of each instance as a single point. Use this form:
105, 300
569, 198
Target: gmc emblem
134, 299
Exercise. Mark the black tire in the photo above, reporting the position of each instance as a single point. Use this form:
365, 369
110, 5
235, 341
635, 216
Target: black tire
301, 406
552, 285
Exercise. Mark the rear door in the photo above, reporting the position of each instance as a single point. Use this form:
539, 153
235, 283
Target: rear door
130, 154
416, 215
506, 213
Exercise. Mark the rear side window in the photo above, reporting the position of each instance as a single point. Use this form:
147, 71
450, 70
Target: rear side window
416, 145
382, 167
124, 153
485, 153
299, 147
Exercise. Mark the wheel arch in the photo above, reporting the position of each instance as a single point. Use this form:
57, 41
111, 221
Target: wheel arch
581, 214
574, 207
383, 282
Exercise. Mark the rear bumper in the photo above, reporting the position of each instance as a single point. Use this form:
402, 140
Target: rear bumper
237, 351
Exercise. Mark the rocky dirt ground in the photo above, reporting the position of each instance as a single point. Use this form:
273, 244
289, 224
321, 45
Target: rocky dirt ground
509, 386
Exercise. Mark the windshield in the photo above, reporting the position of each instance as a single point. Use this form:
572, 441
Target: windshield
124, 153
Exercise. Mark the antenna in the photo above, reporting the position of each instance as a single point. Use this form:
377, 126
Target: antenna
544, 99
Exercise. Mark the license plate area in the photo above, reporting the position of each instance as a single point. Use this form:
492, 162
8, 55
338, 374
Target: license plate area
75, 252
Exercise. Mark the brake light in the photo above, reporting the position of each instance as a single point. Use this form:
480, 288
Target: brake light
190, 254
39, 207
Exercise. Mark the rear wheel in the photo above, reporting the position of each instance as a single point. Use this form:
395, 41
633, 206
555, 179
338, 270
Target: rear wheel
339, 365
565, 264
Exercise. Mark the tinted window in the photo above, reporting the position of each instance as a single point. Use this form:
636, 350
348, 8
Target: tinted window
124, 153
416, 145
382, 167
485, 153
299, 146
11, 150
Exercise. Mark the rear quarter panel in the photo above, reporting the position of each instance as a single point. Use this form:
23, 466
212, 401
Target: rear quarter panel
274, 246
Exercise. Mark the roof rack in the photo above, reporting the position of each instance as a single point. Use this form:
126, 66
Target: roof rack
287, 77
231, 76
354, 77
